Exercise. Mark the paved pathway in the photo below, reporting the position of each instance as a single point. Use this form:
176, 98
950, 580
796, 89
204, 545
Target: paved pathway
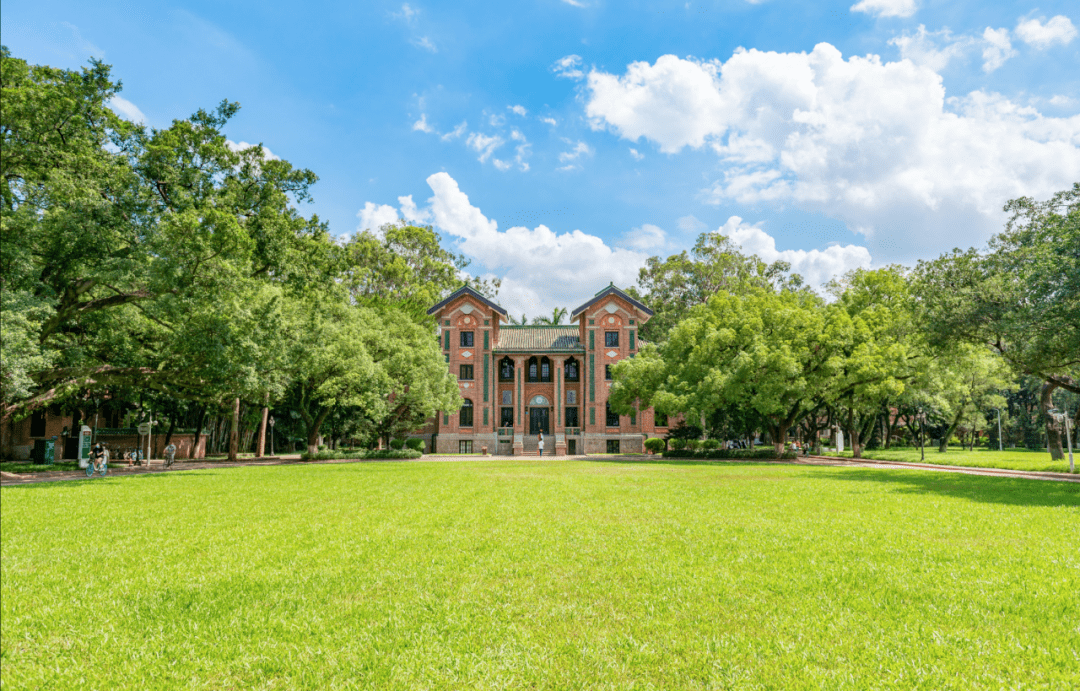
7, 479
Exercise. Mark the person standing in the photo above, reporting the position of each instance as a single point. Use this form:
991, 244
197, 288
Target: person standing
540, 442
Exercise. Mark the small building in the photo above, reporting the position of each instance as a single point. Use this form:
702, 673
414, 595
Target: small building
519, 381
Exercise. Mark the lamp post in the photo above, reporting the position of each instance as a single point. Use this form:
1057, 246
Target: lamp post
999, 429
1064, 418
922, 435
271, 421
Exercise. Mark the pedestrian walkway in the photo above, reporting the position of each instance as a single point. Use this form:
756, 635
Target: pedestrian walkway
155, 467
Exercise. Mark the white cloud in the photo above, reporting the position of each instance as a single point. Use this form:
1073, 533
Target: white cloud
933, 49
409, 211
575, 3
422, 124
484, 145
875, 144
501, 165
580, 149
407, 13
646, 237
497, 120
518, 110
425, 43
1059, 29
637, 156
998, 48
456, 132
568, 67
817, 267
127, 110
375, 216
550, 121
886, 8
690, 223
1060, 100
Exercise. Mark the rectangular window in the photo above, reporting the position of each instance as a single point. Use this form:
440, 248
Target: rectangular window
507, 417
465, 446
633, 416
506, 369
571, 416
612, 417
486, 393
446, 417
507, 397
487, 339
607, 372
571, 397
660, 420
465, 372
485, 417
611, 339
592, 378
592, 416
37, 424
591, 322
465, 416
447, 357
446, 345
631, 339
466, 339
613, 446
592, 340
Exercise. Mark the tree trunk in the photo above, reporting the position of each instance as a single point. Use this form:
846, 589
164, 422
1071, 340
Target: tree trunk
172, 426
313, 432
234, 430
1053, 433
779, 437
262, 426
943, 444
198, 433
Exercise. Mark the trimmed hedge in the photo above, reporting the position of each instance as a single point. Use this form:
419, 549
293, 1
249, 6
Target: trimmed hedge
360, 454
415, 443
732, 454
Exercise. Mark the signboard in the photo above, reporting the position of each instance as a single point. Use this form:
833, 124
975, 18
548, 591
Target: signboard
144, 428
85, 436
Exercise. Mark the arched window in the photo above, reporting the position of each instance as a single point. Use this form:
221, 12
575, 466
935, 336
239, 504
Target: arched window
506, 369
532, 369
545, 369
572, 370
465, 416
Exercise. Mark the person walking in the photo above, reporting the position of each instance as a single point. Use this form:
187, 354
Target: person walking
170, 454
540, 442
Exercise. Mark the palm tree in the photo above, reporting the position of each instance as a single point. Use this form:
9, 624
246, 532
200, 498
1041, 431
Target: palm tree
555, 319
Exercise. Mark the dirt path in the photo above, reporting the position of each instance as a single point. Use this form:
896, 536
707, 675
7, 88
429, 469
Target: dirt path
7, 479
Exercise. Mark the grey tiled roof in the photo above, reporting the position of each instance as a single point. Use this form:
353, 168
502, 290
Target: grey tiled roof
538, 338
610, 290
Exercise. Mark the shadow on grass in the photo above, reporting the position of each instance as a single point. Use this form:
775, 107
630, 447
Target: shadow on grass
980, 488
108, 479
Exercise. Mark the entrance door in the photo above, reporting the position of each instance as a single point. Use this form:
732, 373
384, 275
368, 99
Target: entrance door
538, 421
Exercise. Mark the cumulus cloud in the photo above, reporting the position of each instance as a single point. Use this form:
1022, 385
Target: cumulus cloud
484, 145
425, 43
817, 267
541, 269
646, 237
568, 67
407, 13
550, 121
886, 8
518, 110
127, 110
637, 156
575, 3
997, 50
1059, 29
875, 144
933, 49
456, 132
267, 154
409, 211
690, 223
375, 216
579, 149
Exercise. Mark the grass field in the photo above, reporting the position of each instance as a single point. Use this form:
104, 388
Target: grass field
541, 575
1011, 459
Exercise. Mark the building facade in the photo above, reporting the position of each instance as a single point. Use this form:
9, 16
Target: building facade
519, 381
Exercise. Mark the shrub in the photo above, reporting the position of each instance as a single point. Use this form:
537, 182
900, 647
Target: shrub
397, 444
360, 454
322, 447
731, 454
677, 444
415, 443
654, 445
710, 444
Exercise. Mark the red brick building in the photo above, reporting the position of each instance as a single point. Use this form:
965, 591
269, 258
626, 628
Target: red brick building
518, 381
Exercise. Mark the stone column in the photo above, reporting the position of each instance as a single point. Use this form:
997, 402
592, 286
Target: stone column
560, 395
519, 406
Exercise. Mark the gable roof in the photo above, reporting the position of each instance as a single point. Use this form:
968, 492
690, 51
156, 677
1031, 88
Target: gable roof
538, 338
466, 290
611, 290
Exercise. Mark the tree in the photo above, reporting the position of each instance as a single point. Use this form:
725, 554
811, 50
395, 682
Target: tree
557, 315
671, 287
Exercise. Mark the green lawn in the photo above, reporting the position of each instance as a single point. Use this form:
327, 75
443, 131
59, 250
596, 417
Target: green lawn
31, 467
541, 575
1011, 459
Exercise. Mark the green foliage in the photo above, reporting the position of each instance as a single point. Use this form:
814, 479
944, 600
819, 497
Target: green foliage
362, 454
731, 454
397, 444
654, 444
415, 443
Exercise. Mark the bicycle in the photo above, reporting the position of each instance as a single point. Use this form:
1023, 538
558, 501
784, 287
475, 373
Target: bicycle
103, 468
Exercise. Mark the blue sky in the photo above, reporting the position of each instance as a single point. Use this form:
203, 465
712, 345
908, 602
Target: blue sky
558, 144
